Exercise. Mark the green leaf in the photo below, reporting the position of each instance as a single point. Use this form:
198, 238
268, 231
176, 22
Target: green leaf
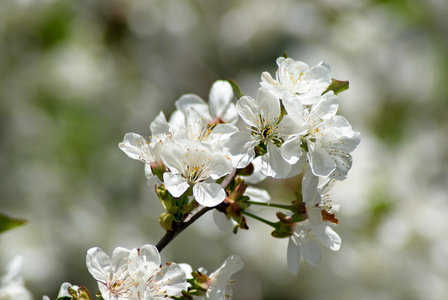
7, 223
64, 298
285, 55
337, 86
236, 88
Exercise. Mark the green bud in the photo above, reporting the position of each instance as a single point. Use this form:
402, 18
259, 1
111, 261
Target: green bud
166, 221
158, 170
84, 293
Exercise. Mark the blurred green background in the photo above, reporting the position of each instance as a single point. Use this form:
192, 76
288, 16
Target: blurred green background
75, 76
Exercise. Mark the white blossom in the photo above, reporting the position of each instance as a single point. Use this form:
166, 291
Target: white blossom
295, 81
307, 234
220, 285
134, 274
148, 151
194, 164
278, 134
220, 108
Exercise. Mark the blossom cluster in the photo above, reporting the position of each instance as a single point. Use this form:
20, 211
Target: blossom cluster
208, 155
290, 128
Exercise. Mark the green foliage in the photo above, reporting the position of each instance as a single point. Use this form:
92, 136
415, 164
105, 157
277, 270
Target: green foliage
337, 86
7, 222
236, 88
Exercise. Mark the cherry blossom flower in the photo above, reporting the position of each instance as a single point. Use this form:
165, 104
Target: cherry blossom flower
63, 291
277, 134
220, 108
134, 274
193, 164
330, 139
137, 147
317, 228
295, 81
220, 283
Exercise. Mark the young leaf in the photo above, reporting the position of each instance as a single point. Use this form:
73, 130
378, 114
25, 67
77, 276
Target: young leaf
337, 86
236, 89
7, 223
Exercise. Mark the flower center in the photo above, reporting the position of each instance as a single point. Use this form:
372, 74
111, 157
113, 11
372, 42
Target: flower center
196, 165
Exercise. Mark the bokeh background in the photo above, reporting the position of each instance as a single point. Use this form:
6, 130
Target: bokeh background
75, 76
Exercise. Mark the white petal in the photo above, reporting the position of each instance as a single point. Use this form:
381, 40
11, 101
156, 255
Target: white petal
221, 165
175, 184
177, 119
257, 194
160, 127
269, 104
221, 133
321, 162
323, 110
195, 102
208, 194
187, 269
120, 257
194, 124
309, 189
136, 147
220, 98
311, 252
297, 168
291, 150
230, 266
222, 221
293, 256
256, 176
292, 104
98, 263
248, 109
293, 125
172, 154
328, 237
149, 253
172, 279
241, 148
273, 163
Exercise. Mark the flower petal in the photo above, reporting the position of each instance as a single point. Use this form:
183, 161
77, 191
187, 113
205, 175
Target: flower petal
273, 163
293, 256
175, 184
312, 253
220, 102
208, 194
321, 163
98, 263
222, 221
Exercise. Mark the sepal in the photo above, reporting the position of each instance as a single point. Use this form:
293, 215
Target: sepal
284, 228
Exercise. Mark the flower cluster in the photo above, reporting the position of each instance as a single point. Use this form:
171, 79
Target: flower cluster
134, 274
200, 160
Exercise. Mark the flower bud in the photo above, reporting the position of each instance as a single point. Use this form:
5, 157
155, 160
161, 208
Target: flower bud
166, 221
